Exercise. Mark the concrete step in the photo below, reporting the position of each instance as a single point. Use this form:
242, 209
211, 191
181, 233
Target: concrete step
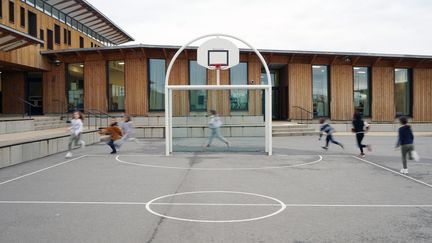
292, 129
287, 134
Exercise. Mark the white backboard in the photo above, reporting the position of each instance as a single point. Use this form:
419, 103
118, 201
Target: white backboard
218, 51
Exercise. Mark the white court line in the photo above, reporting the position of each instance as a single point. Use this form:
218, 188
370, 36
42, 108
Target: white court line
47, 168
227, 204
219, 169
396, 172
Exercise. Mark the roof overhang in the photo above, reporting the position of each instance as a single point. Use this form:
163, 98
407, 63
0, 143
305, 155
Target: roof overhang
88, 15
11, 39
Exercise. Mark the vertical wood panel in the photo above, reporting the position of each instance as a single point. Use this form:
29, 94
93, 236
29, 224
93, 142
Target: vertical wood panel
255, 96
179, 75
219, 100
54, 90
383, 106
299, 89
136, 86
422, 95
12, 87
342, 105
95, 85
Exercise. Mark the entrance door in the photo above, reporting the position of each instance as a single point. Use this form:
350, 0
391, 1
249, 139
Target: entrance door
278, 93
35, 92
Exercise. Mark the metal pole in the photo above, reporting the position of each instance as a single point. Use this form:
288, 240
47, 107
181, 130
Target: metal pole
218, 77
167, 122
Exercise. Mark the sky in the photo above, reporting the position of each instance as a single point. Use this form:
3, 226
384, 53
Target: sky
371, 26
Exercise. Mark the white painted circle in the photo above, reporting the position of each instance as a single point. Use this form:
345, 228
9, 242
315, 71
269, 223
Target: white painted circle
278, 203
219, 169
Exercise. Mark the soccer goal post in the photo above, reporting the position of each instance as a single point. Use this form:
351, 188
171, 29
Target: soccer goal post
225, 58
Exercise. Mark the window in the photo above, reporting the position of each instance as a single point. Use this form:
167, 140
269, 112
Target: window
197, 76
57, 34
157, 84
116, 86
1, 9
11, 12
55, 13
32, 24
42, 37
81, 41
69, 36
47, 9
22, 17
62, 17
39, 5
50, 39
362, 92
75, 86
320, 91
31, 2
65, 38
239, 98
403, 92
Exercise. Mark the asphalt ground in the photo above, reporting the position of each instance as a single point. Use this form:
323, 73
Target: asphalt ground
301, 194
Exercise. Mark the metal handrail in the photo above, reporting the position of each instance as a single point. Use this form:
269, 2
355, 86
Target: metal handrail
301, 114
25, 102
64, 104
95, 113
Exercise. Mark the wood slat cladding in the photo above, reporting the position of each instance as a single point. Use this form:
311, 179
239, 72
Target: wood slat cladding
54, 90
179, 75
342, 105
13, 84
299, 89
136, 86
255, 96
95, 85
383, 106
219, 100
422, 95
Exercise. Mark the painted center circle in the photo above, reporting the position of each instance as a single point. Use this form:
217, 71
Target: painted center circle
215, 206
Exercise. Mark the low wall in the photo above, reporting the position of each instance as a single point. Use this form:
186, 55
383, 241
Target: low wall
21, 152
379, 127
19, 125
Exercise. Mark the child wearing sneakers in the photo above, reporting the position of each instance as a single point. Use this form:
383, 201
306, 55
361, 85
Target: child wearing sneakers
327, 129
406, 142
75, 130
360, 127
214, 125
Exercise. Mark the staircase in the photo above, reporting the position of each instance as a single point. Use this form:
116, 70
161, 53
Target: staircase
49, 122
285, 129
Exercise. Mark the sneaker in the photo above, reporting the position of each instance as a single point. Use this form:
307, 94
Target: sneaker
324, 147
369, 147
113, 152
341, 145
362, 155
68, 155
404, 171
228, 144
83, 144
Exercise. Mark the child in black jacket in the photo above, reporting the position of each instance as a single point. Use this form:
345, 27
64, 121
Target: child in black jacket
406, 142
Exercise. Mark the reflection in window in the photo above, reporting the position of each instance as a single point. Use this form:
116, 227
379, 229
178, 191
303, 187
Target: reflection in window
403, 87
197, 76
116, 86
157, 84
75, 86
362, 90
239, 98
320, 91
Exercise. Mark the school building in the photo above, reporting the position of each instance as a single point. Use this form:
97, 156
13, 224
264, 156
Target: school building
62, 55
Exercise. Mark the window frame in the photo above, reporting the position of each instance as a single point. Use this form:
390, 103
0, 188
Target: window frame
369, 83
247, 91
189, 81
149, 84
328, 90
11, 12
411, 91
108, 83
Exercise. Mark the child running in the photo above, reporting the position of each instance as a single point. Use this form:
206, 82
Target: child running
214, 125
127, 131
359, 128
406, 142
327, 129
114, 132
75, 132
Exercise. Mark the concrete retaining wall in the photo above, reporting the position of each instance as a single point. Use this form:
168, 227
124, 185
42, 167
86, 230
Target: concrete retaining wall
417, 127
13, 126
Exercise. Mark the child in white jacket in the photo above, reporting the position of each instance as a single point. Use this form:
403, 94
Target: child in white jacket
75, 129
214, 125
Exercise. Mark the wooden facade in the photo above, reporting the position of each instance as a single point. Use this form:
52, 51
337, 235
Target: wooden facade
422, 99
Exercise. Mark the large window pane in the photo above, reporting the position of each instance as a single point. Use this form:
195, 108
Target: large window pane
239, 98
403, 87
320, 89
362, 90
116, 86
157, 84
75, 86
197, 76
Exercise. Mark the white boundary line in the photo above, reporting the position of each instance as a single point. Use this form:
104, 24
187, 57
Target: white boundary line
395, 172
217, 169
44, 169
225, 204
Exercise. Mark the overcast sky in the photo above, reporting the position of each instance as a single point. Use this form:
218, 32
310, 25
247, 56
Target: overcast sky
376, 26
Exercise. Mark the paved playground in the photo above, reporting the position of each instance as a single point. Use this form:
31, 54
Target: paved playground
301, 194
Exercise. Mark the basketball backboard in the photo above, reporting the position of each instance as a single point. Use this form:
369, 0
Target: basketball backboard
218, 53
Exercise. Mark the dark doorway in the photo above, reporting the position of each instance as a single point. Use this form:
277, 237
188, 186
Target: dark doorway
279, 90
50, 39
34, 92
32, 24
